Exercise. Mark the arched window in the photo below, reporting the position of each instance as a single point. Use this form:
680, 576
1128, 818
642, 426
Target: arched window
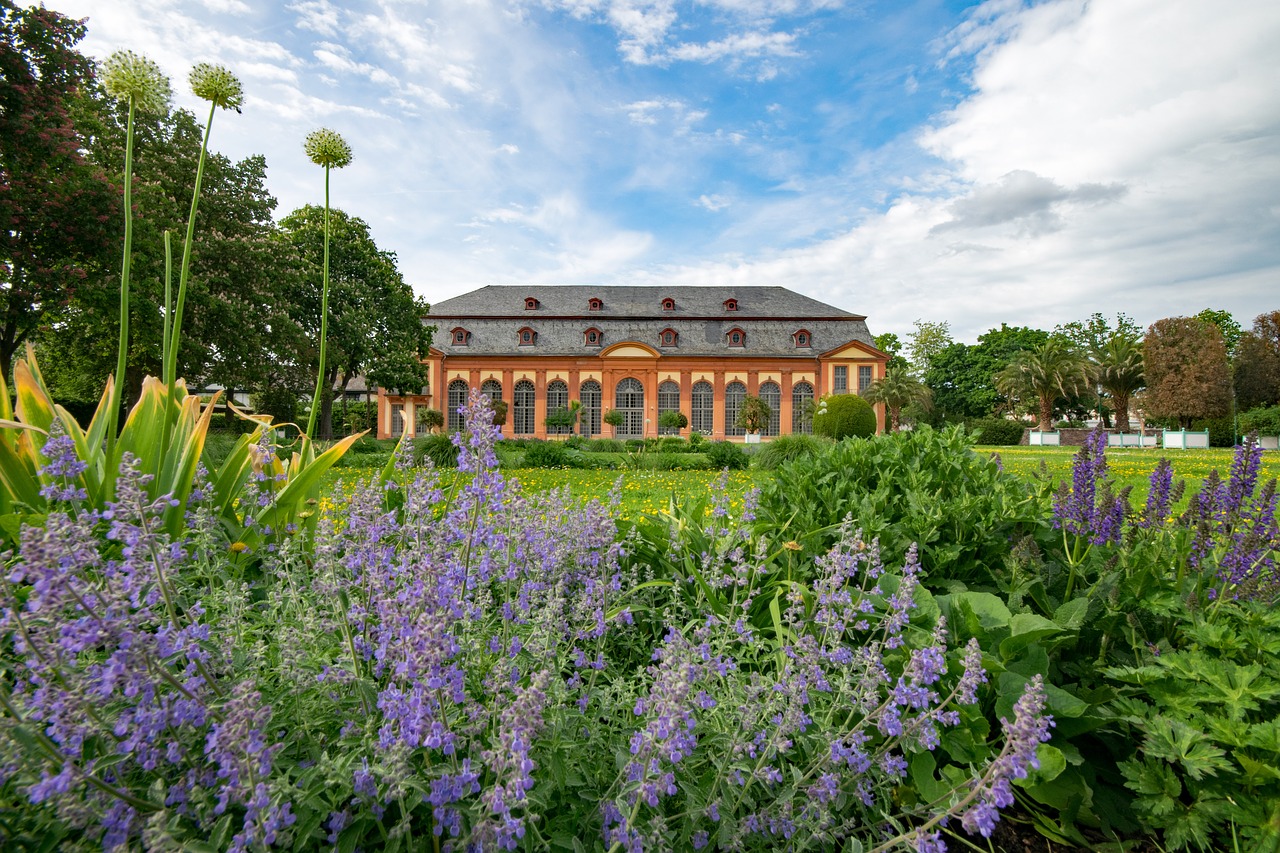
558, 401
801, 408
629, 399
461, 337
668, 401
703, 408
668, 337
526, 337
736, 337
530, 303
492, 389
802, 338
595, 304
668, 304
592, 337
522, 409
734, 394
457, 401
771, 396
589, 395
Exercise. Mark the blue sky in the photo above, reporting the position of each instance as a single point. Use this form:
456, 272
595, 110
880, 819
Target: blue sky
1028, 163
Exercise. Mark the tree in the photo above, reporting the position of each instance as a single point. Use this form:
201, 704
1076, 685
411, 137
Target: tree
1227, 324
375, 323
961, 378
1187, 371
673, 421
58, 210
1047, 373
926, 342
431, 419
1093, 334
754, 415
1256, 371
890, 344
898, 388
1118, 368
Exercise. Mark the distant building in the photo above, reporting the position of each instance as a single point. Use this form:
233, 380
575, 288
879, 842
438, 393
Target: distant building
643, 351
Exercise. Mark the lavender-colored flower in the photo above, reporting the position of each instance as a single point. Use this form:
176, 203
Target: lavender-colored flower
1088, 508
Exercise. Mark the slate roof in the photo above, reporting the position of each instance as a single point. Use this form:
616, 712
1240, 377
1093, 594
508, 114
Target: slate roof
768, 316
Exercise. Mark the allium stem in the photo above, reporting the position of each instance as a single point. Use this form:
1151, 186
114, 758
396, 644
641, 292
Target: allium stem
324, 316
122, 351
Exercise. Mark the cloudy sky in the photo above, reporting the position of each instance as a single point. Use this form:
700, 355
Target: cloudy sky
1006, 161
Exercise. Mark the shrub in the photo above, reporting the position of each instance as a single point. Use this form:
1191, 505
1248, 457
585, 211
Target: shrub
726, 454
577, 442
439, 449
673, 420
674, 444
788, 448
995, 431
430, 419
670, 462
551, 454
606, 445
1264, 420
696, 440
844, 415
350, 418
1222, 431
634, 444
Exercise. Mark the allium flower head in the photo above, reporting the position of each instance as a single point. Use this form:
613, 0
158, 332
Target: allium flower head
217, 85
327, 148
130, 77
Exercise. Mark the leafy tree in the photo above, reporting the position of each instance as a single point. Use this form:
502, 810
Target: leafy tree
927, 341
1257, 363
673, 420
1227, 324
1118, 368
889, 343
754, 415
58, 209
898, 388
962, 377
375, 323
431, 419
1047, 373
1187, 372
1093, 334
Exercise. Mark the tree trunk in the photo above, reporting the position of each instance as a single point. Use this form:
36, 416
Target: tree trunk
895, 418
1046, 413
1122, 411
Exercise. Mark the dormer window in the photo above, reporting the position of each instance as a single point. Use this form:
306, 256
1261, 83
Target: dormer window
668, 337
592, 337
802, 338
736, 337
731, 305
530, 303
668, 304
595, 304
461, 337
527, 337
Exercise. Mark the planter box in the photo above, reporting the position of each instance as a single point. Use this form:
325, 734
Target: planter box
752, 438
1044, 439
1185, 439
1269, 442
1131, 439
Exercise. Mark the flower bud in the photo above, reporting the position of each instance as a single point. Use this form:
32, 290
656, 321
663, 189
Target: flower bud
216, 84
327, 148
130, 77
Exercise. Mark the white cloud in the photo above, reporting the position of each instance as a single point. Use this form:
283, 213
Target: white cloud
713, 202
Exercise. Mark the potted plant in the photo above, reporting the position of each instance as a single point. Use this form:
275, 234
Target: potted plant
430, 419
754, 418
615, 419
673, 421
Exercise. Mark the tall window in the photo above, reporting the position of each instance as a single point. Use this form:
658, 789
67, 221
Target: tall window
522, 410
864, 379
702, 415
801, 408
629, 399
557, 401
771, 396
589, 395
668, 401
734, 394
457, 400
841, 379
492, 389
397, 420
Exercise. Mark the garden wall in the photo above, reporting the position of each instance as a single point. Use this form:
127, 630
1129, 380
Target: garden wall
1076, 437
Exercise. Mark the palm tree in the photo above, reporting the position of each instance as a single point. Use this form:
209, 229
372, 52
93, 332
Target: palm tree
899, 387
1118, 368
1049, 371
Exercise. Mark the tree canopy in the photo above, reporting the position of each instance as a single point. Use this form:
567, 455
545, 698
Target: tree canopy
1052, 371
1187, 371
962, 376
1256, 371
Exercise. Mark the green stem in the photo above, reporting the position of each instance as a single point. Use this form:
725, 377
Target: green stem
168, 292
324, 315
122, 352
171, 357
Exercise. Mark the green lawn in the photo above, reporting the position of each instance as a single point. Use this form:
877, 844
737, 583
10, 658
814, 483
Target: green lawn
640, 492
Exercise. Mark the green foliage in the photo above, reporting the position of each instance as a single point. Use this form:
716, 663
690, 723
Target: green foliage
725, 454
439, 449
606, 445
754, 415
614, 418
1222, 430
926, 487
552, 454
1187, 371
897, 389
696, 440
355, 417
430, 419
788, 448
673, 420
1000, 432
1038, 379
842, 416
962, 376
1256, 368
280, 404
674, 444
1264, 420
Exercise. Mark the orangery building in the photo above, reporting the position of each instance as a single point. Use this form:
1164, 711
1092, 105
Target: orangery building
642, 351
